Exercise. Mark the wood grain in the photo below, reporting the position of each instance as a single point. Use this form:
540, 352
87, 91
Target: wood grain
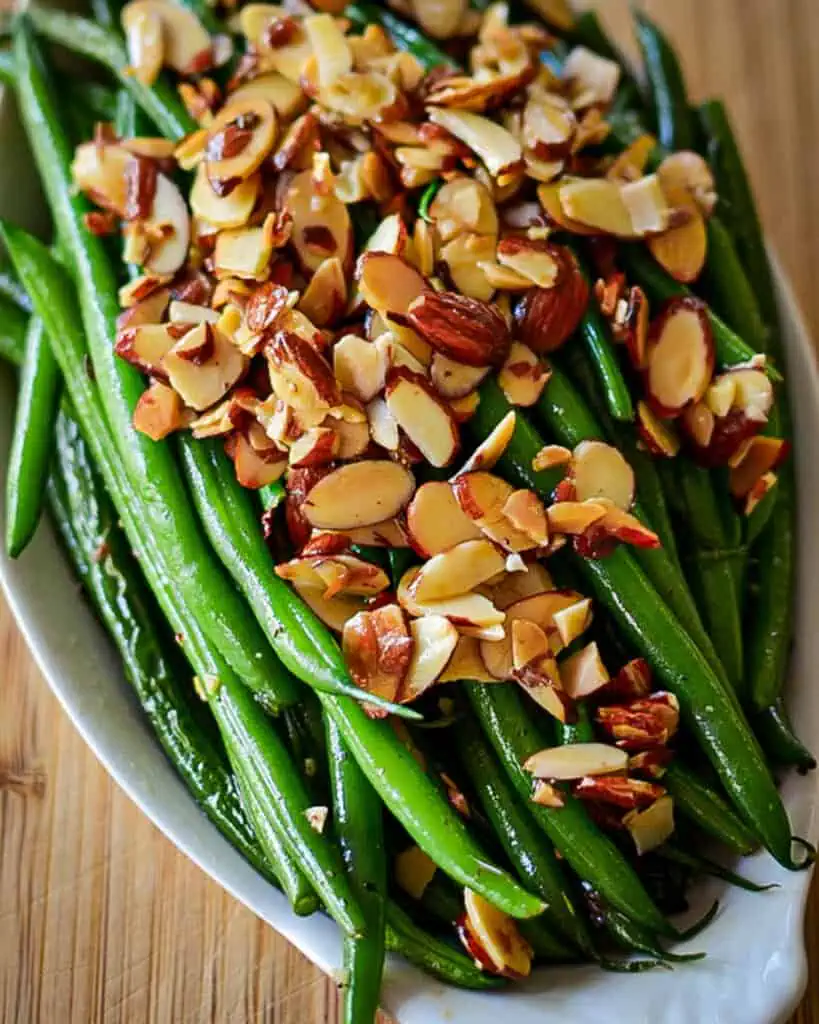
101, 920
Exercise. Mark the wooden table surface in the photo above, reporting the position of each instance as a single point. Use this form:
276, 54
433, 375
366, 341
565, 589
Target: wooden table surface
101, 919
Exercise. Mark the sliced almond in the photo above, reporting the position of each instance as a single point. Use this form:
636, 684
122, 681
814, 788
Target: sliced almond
752, 392
547, 795
584, 673
548, 126
597, 204
359, 494
535, 668
763, 486
466, 664
383, 426
498, 937
600, 471
317, 446
335, 612
335, 574
496, 147
551, 456
203, 365
377, 647
414, 870
224, 211
689, 172
146, 345
627, 528
254, 469
659, 437
241, 136
434, 640
458, 570
464, 259
435, 521
759, 456
169, 225
324, 300
647, 205
243, 252
680, 356
523, 376
482, 496
158, 412
359, 366
388, 283
284, 96
463, 206
653, 826
490, 451
681, 250
423, 417
526, 513
466, 611
301, 376
549, 196
574, 517
330, 48
577, 760
593, 79
321, 224
455, 380
572, 622
143, 30
515, 586
533, 259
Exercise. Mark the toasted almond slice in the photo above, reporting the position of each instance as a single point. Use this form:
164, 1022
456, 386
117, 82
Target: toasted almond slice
387, 534
534, 259
146, 345
577, 760
229, 211
414, 870
280, 40
536, 669
549, 196
377, 647
497, 935
721, 394
759, 456
359, 366
547, 795
482, 497
300, 375
681, 250
464, 258
526, 513
189, 313
490, 451
653, 826
584, 673
627, 528
435, 521
359, 494
548, 126
170, 222
467, 611
463, 206
335, 612
763, 486
203, 365
284, 96
455, 380
572, 622
598, 205
594, 79
388, 283
600, 471
680, 356
254, 469
647, 205
466, 663
187, 47
240, 138
458, 571
463, 409
321, 223
659, 437
334, 575
497, 148
515, 586
143, 30
574, 517
243, 252
540, 609
689, 172
523, 376
423, 417
158, 412
324, 300
434, 639
551, 456
317, 446
383, 427
332, 51
698, 422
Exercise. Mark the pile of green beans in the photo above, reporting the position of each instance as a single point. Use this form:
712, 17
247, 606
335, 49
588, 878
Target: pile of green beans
167, 544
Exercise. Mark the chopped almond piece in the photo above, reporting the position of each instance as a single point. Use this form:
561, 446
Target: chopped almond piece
526, 513
549, 196
600, 471
203, 365
324, 300
423, 417
752, 392
584, 672
523, 376
389, 237
577, 760
593, 79
535, 668
463, 206
533, 259
764, 485
158, 412
254, 469
573, 621
548, 126
457, 571
223, 211
285, 97
146, 345
359, 494
414, 870
653, 826
300, 376
455, 380
689, 172
539, 608
383, 425
658, 437
759, 456
597, 204
618, 790
434, 640
551, 456
317, 446
547, 795
435, 521
482, 496
643, 723
497, 148
377, 647
497, 936
647, 205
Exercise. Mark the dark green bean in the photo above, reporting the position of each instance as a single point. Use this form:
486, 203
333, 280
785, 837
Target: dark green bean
704, 806
672, 115
13, 324
406, 37
706, 866
778, 739
359, 829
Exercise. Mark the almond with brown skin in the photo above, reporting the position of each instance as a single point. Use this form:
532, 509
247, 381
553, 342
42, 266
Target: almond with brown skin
467, 330
547, 317
422, 415
680, 359
377, 647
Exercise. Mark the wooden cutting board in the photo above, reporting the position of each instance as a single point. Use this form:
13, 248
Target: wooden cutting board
100, 918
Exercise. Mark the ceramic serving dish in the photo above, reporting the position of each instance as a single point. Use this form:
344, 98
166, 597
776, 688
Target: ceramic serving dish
755, 970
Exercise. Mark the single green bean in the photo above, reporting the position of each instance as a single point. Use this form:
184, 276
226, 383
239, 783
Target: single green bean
705, 807
32, 439
13, 325
706, 866
778, 739
672, 114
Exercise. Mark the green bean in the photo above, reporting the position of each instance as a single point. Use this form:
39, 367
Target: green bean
87, 523
406, 37
432, 955
413, 799
427, 196
633, 937
13, 324
515, 735
778, 739
105, 13
8, 71
272, 495
525, 846
704, 806
150, 466
31, 443
641, 268
672, 114
14, 300
709, 708
705, 866
159, 101
53, 299
359, 829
